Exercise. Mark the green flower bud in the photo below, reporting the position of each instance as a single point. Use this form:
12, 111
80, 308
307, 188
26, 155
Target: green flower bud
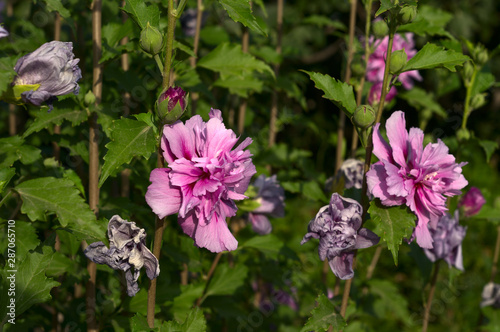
398, 61
407, 14
151, 40
89, 98
364, 116
480, 55
380, 29
463, 134
358, 68
478, 101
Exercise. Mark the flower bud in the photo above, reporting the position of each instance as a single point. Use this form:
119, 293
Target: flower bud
171, 104
364, 116
407, 14
478, 101
398, 61
463, 134
151, 40
89, 98
380, 29
480, 55
468, 71
472, 202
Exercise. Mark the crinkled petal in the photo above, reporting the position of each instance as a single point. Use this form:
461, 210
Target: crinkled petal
398, 137
381, 148
376, 179
341, 265
366, 238
151, 263
179, 142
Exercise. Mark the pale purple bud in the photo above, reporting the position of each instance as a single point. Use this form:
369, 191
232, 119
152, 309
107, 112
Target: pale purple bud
352, 171
447, 241
127, 249
3, 32
54, 67
337, 226
472, 202
271, 198
491, 295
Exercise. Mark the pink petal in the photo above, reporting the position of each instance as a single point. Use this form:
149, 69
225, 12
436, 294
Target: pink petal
381, 148
424, 238
215, 236
398, 137
179, 141
188, 224
376, 179
163, 198
416, 139
395, 182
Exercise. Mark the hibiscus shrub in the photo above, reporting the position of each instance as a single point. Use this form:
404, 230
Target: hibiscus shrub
267, 166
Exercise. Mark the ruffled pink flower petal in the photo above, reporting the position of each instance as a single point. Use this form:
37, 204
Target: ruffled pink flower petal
163, 198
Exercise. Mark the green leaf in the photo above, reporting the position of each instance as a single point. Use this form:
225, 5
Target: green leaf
390, 301
26, 239
489, 147
385, 5
143, 14
429, 21
32, 286
183, 303
313, 191
129, 138
195, 322
56, 5
393, 224
184, 48
483, 81
55, 117
59, 196
324, 316
5, 175
269, 245
240, 11
421, 99
226, 280
240, 86
340, 93
433, 56
322, 21
13, 148
7, 73
229, 60
140, 324
493, 319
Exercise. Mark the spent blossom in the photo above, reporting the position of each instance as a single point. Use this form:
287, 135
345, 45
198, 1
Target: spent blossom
352, 171
447, 237
127, 249
407, 173
53, 68
271, 198
491, 295
337, 226
3, 32
204, 175
472, 202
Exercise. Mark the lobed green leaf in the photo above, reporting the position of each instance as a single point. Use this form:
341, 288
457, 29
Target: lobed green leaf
393, 224
143, 14
240, 11
55, 117
434, 56
324, 316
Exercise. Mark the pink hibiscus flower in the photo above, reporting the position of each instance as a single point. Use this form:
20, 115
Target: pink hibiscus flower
410, 174
376, 62
204, 176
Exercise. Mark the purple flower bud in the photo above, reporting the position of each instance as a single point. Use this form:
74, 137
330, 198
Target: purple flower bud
352, 171
127, 249
447, 238
3, 32
53, 67
337, 226
491, 295
271, 197
472, 202
175, 95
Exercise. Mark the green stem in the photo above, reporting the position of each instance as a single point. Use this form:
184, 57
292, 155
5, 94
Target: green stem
172, 17
5, 197
158, 62
209, 277
467, 109
180, 8
392, 30
431, 296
